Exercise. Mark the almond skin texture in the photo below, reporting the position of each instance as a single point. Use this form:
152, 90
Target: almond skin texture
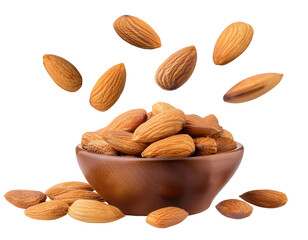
127, 121
225, 144
92, 211
232, 42
164, 124
166, 217
136, 32
197, 126
48, 210
25, 198
64, 187
160, 107
205, 146
252, 87
88, 137
234, 208
108, 88
102, 147
177, 69
72, 196
62, 72
122, 141
180, 145
265, 198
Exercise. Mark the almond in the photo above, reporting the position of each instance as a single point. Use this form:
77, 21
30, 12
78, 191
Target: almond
48, 210
25, 198
108, 88
94, 211
234, 208
160, 107
89, 137
62, 72
225, 144
212, 118
177, 69
149, 115
122, 141
72, 196
265, 198
102, 147
205, 145
162, 125
252, 87
223, 134
127, 121
136, 32
197, 126
64, 187
166, 217
232, 42
180, 145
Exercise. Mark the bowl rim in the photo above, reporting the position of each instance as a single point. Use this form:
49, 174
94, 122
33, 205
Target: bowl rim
239, 147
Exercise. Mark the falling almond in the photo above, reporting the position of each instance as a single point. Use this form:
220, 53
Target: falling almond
108, 88
252, 87
136, 32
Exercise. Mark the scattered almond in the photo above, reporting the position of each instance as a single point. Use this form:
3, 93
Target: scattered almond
136, 32
25, 198
89, 137
64, 187
108, 88
166, 217
252, 87
102, 147
205, 146
47, 210
265, 198
160, 107
180, 145
72, 196
177, 69
225, 144
234, 208
62, 72
232, 42
94, 211
122, 141
162, 125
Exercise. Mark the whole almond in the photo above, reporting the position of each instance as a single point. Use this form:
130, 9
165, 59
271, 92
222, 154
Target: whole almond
180, 145
72, 196
265, 198
102, 147
127, 121
108, 88
47, 210
164, 124
166, 217
64, 187
177, 69
136, 32
212, 118
232, 42
234, 208
25, 198
252, 87
62, 72
205, 146
225, 144
197, 126
223, 134
94, 211
88, 137
160, 107
122, 141
149, 115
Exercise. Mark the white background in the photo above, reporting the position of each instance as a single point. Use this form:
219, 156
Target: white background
41, 124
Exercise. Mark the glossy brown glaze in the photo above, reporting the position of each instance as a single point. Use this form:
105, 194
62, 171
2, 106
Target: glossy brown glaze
139, 186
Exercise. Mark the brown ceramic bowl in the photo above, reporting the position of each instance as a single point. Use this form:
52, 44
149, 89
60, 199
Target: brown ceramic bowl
139, 186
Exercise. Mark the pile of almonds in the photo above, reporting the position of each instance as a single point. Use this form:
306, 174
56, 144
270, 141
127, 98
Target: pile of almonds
165, 132
172, 73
